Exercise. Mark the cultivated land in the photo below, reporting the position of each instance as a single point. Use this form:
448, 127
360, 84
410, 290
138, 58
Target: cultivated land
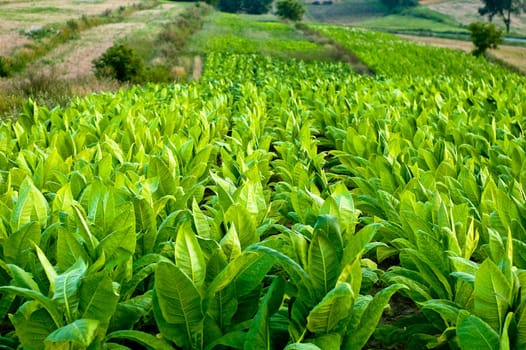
315, 187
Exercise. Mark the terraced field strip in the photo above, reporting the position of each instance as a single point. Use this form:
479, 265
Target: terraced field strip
513, 55
74, 58
17, 17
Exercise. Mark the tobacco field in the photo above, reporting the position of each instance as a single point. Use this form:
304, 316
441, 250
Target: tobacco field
274, 204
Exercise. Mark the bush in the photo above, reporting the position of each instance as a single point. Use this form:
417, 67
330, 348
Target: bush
5, 67
290, 9
120, 62
484, 36
256, 7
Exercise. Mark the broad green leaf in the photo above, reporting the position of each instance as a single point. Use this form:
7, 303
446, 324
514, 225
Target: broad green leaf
79, 334
119, 245
230, 244
244, 223
18, 246
448, 310
235, 340
31, 205
70, 248
98, 297
67, 289
259, 335
179, 299
322, 265
505, 335
474, 333
302, 346
357, 244
145, 339
492, 294
358, 336
129, 312
32, 324
22, 278
333, 308
296, 273
48, 269
47, 303
188, 255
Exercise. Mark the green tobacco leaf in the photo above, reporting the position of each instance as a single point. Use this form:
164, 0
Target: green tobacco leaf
448, 310
145, 339
323, 263
32, 324
22, 278
474, 333
357, 244
178, 299
235, 340
188, 255
119, 245
78, 334
492, 294
48, 269
259, 335
128, 312
333, 308
98, 297
302, 346
357, 337
47, 303
245, 225
145, 223
70, 248
296, 273
67, 289
18, 245
31, 205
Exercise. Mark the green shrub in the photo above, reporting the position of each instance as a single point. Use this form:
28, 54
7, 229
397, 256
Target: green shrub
120, 62
484, 36
290, 9
6, 68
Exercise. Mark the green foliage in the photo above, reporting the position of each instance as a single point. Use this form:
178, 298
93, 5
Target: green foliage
255, 7
484, 36
290, 9
399, 4
120, 62
274, 203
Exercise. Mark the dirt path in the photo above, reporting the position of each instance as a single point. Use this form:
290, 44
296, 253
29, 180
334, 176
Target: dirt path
514, 55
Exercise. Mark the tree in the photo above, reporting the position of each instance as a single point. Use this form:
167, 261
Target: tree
290, 9
232, 6
484, 36
502, 8
256, 7
394, 4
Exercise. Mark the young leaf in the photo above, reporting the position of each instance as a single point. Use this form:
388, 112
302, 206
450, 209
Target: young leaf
145, 339
188, 255
78, 334
492, 294
179, 299
357, 337
67, 289
333, 308
474, 333
259, 335
31, 205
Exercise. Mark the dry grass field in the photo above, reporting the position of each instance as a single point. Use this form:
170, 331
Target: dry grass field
18, 17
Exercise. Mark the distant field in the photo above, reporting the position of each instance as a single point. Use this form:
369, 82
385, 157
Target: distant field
18, 17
